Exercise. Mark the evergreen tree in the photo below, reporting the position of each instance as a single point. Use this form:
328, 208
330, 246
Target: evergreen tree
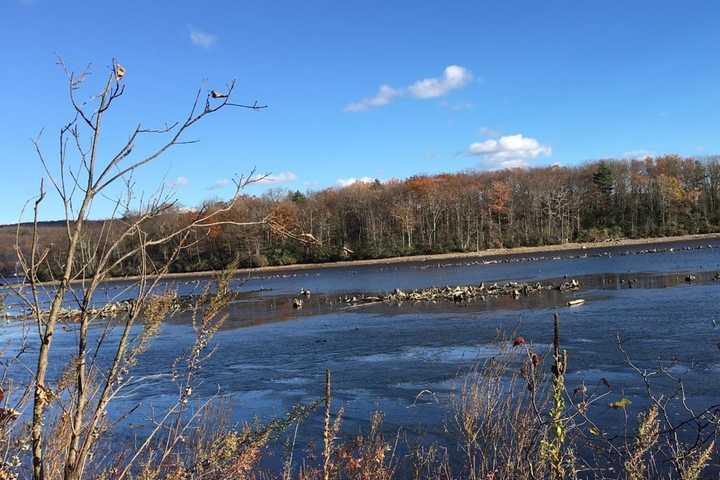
297, 196
603, 179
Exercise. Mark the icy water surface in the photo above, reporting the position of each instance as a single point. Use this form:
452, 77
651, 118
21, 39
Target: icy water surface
407, 360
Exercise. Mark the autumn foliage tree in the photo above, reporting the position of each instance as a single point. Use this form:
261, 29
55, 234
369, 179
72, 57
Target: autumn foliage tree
465, 211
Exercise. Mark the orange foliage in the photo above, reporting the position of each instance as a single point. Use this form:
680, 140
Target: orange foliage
499, 196
285, 214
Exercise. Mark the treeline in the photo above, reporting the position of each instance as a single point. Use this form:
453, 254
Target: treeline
461, 212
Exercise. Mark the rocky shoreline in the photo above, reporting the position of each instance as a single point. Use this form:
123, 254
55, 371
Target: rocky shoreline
482, 257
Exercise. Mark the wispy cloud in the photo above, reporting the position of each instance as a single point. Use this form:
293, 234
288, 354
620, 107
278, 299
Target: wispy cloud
282, 177
384, 96
202, 39
220, 184
453, 77
346, 182
510, 151
179, 182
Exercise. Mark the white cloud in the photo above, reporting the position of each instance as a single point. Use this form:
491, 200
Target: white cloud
282, 177
454, 77
346, 182
179, 182
222, 183
202, 39
510, 151
384, 96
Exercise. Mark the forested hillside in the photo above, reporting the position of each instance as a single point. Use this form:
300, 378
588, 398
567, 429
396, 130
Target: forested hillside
458, 212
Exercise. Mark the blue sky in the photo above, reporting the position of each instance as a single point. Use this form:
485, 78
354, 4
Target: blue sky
366, 89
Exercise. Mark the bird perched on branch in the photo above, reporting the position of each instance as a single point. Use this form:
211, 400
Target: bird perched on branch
216, 94
119, 71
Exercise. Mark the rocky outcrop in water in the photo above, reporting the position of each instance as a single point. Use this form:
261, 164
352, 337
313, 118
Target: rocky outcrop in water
179, 303
108, 310
462, 293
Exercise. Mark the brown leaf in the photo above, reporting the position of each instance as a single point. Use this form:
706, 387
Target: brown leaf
46, 395
8, 414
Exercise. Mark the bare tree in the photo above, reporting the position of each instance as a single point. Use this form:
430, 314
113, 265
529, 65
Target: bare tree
81, 176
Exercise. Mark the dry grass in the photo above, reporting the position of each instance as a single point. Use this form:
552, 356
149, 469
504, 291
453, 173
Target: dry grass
645, 439
495, 422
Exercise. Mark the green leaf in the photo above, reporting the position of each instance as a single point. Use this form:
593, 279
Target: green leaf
622, 403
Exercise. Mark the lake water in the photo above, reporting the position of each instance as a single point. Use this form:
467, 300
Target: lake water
268, 357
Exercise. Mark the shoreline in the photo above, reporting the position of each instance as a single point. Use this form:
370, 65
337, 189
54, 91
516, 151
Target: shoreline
493, 252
